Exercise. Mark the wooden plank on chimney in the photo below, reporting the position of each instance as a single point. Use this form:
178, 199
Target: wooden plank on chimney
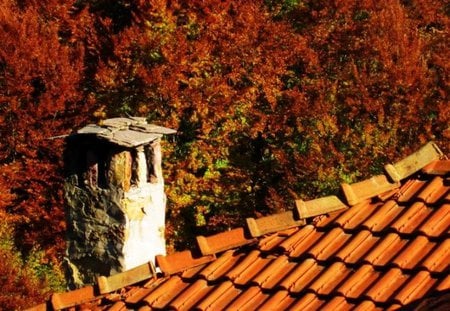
129, 138
120, 280
152, 128
223, 241
319, 206
414, 162
94, 129
121, 123
272, 223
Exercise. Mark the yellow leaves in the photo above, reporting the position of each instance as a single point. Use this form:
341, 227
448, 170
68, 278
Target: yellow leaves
100, 112
182, 199
327, 125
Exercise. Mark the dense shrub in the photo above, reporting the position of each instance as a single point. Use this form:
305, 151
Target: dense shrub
272, 100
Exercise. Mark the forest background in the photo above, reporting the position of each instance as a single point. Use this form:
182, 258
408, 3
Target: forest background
273, 100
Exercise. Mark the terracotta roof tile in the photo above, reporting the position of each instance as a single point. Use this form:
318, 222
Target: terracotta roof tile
389, 251
412, 218
319, 206
191, 295
385, 250
434, 191
138, 294
355, 216
180, 261
193, 272
280, 301
329, 244
223, 241
249, 299
387, 195
369, 188
72, 298
326, 220
119, 280
357, 247
118, 306
113, 297
439, 259
414, 162
444, 285
163, 294
439, 167
385, 287
300, 242
338, 303
359, 282
243, 264
367, 305
251, 270
310, 301
438, 222
413, 253
274, 272
220, 297
221, 266
416, 287
272, 241
273, 223
330, 278
383, 216
303, 274
410, 190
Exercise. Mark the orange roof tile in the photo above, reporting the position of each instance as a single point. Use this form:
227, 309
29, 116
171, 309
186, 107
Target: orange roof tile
367, 189
181, 261
439, 167
223, 241
390, 250
359, 246
73, 298
319, 206
414, 162
273, 223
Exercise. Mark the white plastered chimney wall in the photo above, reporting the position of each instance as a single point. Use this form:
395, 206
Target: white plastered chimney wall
145, 204
115, 200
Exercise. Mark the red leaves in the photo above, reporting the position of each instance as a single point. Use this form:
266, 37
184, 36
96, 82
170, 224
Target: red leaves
269, 97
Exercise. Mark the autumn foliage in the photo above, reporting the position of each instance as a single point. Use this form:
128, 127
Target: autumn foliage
273, 100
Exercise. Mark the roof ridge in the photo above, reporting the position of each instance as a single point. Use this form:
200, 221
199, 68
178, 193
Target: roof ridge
414, 162
272, 223
180, 261
368, 188
379, 186
223, 241
428, 159
319, 206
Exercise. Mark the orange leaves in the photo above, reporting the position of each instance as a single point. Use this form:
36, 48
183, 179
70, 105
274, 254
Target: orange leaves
269, 97
42, 68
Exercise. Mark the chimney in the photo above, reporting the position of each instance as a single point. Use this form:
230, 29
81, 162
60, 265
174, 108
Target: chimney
114, 197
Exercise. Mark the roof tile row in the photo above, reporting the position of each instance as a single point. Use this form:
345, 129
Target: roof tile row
388, 250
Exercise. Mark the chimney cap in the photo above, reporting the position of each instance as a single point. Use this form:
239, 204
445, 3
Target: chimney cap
127, 132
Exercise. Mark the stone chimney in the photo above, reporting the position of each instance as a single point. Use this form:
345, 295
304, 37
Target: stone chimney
114, 195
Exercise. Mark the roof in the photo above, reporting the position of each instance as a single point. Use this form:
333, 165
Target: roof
127, 132
384, 244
